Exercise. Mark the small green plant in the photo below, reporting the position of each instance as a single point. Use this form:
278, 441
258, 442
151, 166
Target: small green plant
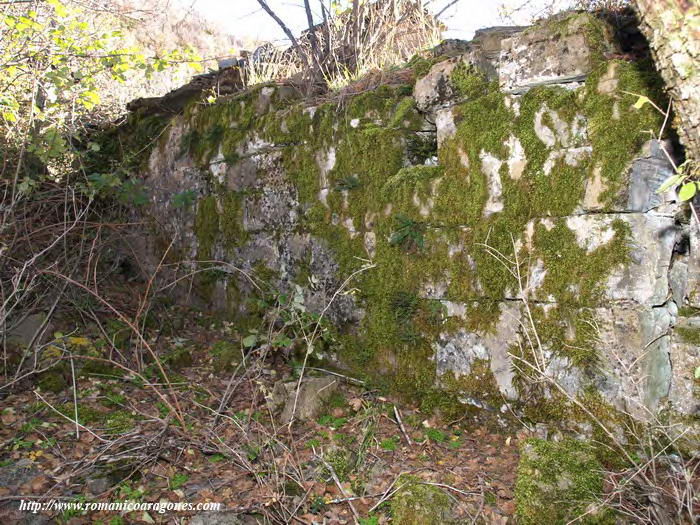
390, 444
409, 234
30, 425
313, 443
73, 511
216, 458
127, 492
318, 505
328, 420
184, 199
490, 498
178, 480
252, 452
433, 434
348, 183
685, 177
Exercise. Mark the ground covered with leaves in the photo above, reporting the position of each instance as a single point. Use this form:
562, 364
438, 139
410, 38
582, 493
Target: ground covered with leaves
216, 435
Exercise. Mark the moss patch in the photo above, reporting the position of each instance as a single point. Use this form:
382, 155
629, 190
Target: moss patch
416, 503
557, 481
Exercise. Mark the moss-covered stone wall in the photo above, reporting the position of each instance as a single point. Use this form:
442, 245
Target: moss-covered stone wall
530, 241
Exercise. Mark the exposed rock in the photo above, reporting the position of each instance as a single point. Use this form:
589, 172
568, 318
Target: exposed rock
225, 81
304, 196
556, 52
435, 89
32, 328
97, 486
684, 354
457, 352
309, 401
14, 475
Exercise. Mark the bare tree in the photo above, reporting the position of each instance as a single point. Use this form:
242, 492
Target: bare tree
286, 30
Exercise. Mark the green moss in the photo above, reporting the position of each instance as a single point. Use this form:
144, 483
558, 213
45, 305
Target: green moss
231, 220
422, 65
576, 276
618, 130
342, 461
688, 311
416, 503
468, 82
100, 368
87, 415
225, 356
119, 422
379, 184
52, 381
179, 358
556, 483
206, 227
688, 334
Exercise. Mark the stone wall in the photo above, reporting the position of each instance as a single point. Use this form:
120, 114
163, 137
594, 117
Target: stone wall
503, 189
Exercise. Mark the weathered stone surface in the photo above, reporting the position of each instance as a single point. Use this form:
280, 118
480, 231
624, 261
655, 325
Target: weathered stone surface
652, 239
435, 89
557, 52
647, 174
18, 473
685, 359
305, 196
693, 259
309, 401
33, 328
276, 207
457, 352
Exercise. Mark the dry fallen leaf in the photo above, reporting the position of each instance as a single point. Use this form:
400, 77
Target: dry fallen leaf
355, 403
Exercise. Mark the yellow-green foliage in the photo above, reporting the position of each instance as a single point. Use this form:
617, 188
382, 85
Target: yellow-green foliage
556, 483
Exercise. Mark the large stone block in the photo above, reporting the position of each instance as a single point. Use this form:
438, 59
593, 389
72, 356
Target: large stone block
651, 239
456, 352
560, 51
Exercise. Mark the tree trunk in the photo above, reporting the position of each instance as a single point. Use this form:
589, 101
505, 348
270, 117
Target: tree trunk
673, 30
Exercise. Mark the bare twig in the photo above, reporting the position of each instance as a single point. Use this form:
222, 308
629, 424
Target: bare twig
403, 430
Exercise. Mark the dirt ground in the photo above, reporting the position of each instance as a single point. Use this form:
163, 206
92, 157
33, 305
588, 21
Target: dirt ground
349, 462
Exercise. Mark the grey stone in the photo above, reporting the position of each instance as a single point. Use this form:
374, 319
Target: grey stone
646, 176
653, 237
98, 485
557, 52
457, 352
435, 88
276, 207
685, 358
678, 281
312, 394
31, 328
634, 315
16, 474
693, 259
655, 324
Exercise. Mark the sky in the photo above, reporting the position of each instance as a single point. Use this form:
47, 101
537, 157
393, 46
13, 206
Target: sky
245, 18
